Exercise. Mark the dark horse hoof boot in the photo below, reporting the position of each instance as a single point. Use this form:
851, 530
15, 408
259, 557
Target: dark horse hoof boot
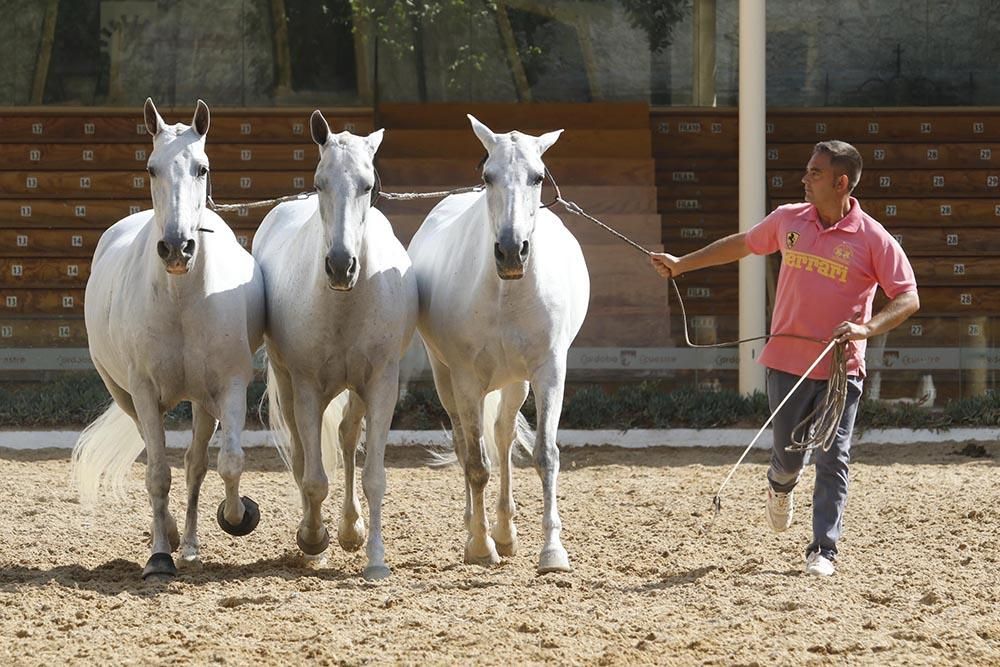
313, 549
251, 517
159, 565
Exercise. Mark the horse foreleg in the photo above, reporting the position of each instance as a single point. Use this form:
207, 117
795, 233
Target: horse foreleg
312, 536
380, 398
504, 532
164, 530
480, 548
351, 528
237, 516
548, 387
195, 467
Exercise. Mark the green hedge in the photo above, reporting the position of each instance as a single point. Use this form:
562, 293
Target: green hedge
75, 400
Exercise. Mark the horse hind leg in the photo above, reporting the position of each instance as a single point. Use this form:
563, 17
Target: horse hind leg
236, 515
446, 394
195, 467
512, 397
351, 528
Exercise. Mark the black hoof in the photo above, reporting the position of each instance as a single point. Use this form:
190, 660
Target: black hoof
313, 549
159, 565
251, 517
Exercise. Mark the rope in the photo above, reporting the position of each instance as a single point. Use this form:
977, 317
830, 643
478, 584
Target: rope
379, 193
808, 434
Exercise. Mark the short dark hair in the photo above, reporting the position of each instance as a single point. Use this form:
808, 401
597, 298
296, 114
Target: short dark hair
844, 157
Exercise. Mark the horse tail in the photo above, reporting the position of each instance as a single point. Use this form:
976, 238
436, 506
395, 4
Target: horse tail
524, 437
104, 454
281, 433
330, 444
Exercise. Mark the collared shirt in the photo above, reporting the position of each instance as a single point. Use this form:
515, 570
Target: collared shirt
828, 275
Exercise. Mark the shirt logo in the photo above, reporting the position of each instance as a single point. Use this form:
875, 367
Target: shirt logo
827, 268
843, 252
790, 239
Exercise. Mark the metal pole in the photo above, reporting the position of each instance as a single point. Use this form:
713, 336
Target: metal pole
753, 185
704, 53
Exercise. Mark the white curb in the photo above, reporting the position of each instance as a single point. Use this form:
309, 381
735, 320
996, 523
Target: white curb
634, 439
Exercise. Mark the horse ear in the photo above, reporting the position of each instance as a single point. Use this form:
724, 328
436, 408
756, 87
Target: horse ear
484, 133
319, 127
546, 140
202, 118
374, 140
154, 123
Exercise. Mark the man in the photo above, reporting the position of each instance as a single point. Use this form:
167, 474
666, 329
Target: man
833, 257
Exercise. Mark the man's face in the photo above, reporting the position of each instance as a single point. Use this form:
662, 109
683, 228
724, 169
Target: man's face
821, 181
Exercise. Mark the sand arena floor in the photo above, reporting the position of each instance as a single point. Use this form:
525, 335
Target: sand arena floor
918, 579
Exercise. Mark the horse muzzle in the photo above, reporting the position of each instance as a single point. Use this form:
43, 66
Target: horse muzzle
511, 260
176, 256
341, 273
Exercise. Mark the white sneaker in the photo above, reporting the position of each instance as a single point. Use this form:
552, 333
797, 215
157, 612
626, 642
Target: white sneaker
819, 565
780, 509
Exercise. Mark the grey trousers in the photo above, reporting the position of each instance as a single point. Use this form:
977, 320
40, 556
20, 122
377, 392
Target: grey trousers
830, 493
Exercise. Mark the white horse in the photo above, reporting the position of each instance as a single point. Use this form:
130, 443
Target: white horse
341, 310
174, 310
504, 290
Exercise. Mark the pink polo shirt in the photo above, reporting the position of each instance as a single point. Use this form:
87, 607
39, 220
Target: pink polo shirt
827, 276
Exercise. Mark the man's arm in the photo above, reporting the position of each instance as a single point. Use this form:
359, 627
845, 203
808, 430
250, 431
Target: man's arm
725, 250
887, 319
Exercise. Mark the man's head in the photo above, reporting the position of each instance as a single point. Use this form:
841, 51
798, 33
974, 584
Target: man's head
832, 173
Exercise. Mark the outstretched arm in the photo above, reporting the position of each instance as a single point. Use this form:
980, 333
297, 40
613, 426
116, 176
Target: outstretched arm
725, 250
891, 316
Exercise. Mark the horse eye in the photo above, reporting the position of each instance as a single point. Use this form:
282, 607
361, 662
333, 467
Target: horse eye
537, 180
368, 189
152, 172
202, 170
487, 179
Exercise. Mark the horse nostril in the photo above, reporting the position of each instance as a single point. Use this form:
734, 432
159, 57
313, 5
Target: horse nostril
188, 248
497, 252
329, 267
162, 250
353, 268
524, 250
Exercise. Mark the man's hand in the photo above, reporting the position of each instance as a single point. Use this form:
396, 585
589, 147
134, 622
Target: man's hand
666, 265
850, 331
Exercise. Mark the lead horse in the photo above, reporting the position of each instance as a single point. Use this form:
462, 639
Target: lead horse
174, 309
341, 310
504, 290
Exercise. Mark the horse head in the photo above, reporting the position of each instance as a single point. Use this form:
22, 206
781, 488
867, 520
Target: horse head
178, 178
513, 174
344, 180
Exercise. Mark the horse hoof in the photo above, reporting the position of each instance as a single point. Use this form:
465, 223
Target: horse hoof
375, 572
483, 556
350, 538
159, 565
251, 517
313, 548
507, 549
554, 559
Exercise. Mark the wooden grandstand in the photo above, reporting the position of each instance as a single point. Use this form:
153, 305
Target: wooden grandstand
665, 177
